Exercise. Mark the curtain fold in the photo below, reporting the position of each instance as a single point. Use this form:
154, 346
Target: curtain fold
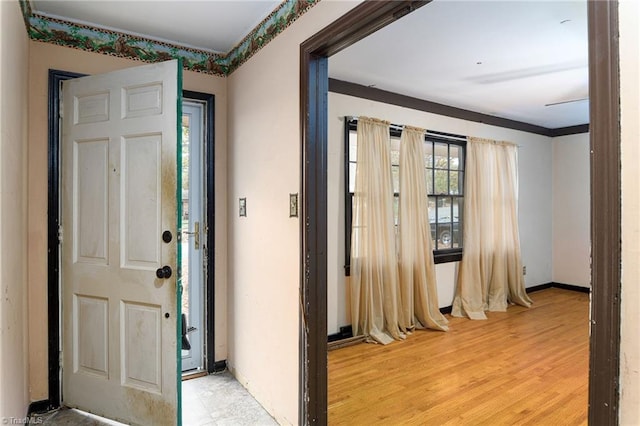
490, 274
374, 272
418, 291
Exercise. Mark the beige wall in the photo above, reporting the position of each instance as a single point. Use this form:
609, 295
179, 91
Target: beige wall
264, 247
14, 56
629, 13
47, 56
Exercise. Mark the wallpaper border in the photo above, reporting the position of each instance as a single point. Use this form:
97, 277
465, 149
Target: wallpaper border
99, 40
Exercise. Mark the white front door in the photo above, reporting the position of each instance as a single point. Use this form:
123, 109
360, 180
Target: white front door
120, 229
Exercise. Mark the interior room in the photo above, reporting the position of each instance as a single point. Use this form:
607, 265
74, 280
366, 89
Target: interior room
245, 66
515, 73
470, 59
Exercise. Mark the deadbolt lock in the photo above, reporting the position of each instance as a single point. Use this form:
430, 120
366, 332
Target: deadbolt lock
196, 235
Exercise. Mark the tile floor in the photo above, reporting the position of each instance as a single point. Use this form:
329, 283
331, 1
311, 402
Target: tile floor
216, 399
220, 400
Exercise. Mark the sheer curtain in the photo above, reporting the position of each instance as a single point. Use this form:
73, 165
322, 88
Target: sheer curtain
374, 271
419, 297
393, 287
490, 275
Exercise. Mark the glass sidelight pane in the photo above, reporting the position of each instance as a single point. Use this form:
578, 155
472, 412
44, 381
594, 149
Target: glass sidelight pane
184, 175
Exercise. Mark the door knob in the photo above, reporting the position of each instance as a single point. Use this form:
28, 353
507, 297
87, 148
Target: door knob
164, 272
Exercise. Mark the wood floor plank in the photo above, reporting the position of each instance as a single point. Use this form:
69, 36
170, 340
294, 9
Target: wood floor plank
526, 366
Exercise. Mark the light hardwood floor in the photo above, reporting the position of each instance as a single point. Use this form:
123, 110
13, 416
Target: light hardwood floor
520, 367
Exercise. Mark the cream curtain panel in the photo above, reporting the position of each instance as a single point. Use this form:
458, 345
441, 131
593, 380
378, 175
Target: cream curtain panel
490, 275
418, 291
391, 293
374, 271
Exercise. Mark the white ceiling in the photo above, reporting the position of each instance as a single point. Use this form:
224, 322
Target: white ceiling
504, 58
214, 25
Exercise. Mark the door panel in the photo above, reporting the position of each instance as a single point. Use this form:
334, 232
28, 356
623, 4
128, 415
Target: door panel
90, 207
91, 331
140, 210
141, 327
119, 180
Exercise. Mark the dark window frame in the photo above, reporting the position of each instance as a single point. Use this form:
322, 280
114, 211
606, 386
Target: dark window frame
439, 255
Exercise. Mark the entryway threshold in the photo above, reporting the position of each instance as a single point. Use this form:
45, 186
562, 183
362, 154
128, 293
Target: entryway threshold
71, 417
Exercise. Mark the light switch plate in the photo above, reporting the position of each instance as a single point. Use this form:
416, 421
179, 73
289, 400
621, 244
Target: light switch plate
242, 207
293, 205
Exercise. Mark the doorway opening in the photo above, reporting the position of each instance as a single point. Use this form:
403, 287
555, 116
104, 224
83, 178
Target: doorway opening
367, 18
193, 239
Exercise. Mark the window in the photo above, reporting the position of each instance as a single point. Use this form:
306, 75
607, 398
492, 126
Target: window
444, 166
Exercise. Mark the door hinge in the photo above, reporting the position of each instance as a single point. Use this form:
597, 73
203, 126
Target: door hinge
60, 359
60, 234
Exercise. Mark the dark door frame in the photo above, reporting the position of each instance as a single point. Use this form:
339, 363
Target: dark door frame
604, 84
53, 224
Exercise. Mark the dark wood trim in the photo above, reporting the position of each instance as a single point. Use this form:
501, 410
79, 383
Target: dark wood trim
571, 287
446, 309
562, 286
314, 295
348, 197
539, 287
378, 95
53, 223
346, 332
339, 344
218, 366
571, 130
446, 256
604, 92
391, 98
39, 407
209, 154
358, 23
361, 21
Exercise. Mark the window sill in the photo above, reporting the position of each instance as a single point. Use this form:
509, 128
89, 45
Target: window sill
446, 256
442, 256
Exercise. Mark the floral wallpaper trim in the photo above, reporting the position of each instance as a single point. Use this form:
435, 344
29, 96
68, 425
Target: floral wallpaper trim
83, 37
92, 39
280, 19
25, 5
